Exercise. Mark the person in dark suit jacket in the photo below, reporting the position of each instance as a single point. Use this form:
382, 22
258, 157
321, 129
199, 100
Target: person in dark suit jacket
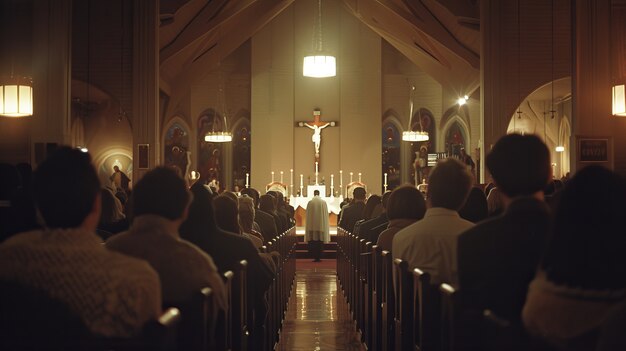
263, 219
354, 211
226, 248
365, 230
498, 257
267, 203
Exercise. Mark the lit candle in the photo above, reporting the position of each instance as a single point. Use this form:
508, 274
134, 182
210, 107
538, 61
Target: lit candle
281, 176
291, 182
385, 179
316, 173
332, 180
272, 176
359, 177
247, 180
301, 186
351, 177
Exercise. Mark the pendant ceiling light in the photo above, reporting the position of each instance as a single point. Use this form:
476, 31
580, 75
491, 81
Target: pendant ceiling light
414, 135
320, 64
220, 136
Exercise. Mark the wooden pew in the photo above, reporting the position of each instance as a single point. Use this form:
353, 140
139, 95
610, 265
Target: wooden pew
388, 303
404, 298
196, 332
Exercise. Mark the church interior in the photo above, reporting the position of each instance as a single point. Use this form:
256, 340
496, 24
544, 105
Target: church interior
219, 90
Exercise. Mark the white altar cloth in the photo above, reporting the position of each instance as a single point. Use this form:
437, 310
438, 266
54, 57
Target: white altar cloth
332, 202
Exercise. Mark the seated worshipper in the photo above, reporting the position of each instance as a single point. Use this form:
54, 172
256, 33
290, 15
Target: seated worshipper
246, 219
282, 213
160, 204
366, 228
431, 244
495, 203
370, 205
267, 204
113, 294
227, 249
351, 213
317, 231
475, 208
264, 220
112, 218
498, 257
582, 275
227, 217
406, 206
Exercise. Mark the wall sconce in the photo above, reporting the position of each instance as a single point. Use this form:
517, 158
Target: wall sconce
16, 97
619, 101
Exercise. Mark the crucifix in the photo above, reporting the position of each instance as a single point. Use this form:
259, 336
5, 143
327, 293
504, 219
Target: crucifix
317, 127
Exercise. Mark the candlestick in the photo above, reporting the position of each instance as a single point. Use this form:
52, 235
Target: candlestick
385, 178
359, 177
351, 177
272, 176
247, 180
316, 172
301, 186
281, 176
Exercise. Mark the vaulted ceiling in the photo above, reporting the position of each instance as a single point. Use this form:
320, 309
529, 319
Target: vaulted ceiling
442, 37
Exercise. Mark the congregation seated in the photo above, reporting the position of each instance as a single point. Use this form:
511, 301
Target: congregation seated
497, 258
582, 276
370, 205
366, 229
264, 220
285, 211
227, 248
475, 208
267, 204
160, 204
430, 244
406, 206
245, 206
112, 294
353, 212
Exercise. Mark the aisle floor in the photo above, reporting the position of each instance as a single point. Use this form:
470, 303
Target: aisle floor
318, 317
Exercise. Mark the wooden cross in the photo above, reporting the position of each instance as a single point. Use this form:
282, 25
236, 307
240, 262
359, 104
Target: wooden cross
317, 127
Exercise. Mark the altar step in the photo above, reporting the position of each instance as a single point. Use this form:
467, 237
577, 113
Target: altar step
330, 249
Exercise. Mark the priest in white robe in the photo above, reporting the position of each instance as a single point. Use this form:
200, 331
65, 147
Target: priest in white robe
317, 228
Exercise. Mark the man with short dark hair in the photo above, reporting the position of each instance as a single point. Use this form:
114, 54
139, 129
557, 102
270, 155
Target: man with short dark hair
498, 257
353, 212
430, 244
113, 294
366, 230
316, 232
264, 220
160, 204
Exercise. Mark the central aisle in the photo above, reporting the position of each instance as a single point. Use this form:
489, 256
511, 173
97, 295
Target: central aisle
318, 317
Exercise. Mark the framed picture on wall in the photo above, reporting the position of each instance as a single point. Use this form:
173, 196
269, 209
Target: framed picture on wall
143, 156
593, 149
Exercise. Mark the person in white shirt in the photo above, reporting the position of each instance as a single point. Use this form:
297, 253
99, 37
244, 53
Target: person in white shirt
317, 230
431, 243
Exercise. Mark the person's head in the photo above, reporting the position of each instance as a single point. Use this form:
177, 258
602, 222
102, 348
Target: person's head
449, 184
267, 204
67, 190
253, 193
163, 193
406, 202
359, 194
519, 164
586, 249
112, 210
200, 221
116, 168
316, 192
462, 151
475, 207
226, 213
385, 200
246, 213
370, 205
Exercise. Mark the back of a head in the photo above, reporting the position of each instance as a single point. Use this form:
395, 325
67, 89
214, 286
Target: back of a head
226, 213
385, 199
201, 218
246, 213
253, 193
316, 192
359, 193
519, 164
266, 203
449, 184
65, 187
370, 205
406, 202
587, 246
160, 192
475, 208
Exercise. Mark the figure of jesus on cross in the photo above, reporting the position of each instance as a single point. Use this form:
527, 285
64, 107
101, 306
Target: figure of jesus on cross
317, 127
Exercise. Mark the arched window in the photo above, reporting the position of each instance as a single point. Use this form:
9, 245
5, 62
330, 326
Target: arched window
391, 154
456, 139
241, 151
176, 152
210, 154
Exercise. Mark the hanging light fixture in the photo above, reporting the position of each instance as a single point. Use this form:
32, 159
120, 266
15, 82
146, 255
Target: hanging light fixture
220, 136
319, 64
16, 92
414, 135
619, 100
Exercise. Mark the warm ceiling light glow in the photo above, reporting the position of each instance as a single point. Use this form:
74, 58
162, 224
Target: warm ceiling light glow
462, 100
83, 149
16, 97
560, 148
414, 136
619, 101
319, 66
218, 137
